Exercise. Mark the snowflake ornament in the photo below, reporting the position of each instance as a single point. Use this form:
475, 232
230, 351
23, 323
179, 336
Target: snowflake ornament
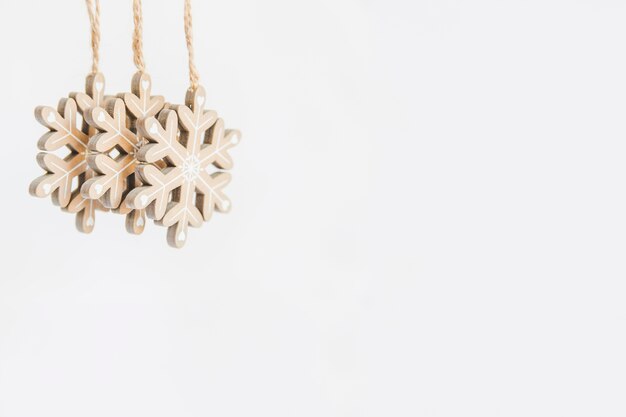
65, 176
183, 192
117, 134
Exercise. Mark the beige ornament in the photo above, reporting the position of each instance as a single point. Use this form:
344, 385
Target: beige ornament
116, 127
65, 175
183, 193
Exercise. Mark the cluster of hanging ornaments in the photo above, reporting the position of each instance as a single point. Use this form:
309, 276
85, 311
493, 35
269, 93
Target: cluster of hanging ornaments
134, 154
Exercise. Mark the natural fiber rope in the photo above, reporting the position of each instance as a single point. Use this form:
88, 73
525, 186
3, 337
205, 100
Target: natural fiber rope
194, 77
93, 8
137, 36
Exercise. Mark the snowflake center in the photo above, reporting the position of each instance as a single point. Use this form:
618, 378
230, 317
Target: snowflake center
191, 168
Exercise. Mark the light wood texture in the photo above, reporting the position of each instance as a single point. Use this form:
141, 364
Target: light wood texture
190, 140
92, 97
64, 176
139, 102
110, 180
116, 127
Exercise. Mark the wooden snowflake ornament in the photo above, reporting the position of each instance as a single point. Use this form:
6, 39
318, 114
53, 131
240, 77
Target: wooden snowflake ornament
117, 134
183, 193
65, 175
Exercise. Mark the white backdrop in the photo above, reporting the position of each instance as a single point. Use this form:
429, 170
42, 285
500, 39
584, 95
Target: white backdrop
428, 217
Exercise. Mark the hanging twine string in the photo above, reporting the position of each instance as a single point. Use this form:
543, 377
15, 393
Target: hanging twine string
194, 77
93, 9
138, 36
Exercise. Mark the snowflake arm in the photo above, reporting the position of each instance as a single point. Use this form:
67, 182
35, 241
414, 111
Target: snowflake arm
58, 179
139, 103
112, 125
193, 120
219, 142
84, 208
110, 182
63, 127
211, 194
93, 95
155, 195
162, 135
181, 213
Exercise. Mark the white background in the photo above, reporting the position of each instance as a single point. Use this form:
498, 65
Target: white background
429, 216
